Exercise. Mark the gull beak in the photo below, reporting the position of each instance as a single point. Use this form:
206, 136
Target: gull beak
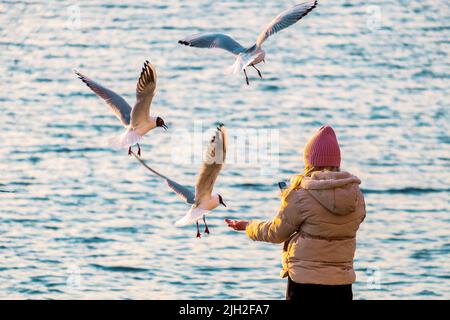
223, 203
164, 126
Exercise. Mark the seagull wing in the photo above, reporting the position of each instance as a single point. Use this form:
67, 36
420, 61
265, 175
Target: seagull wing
118, 104
145, 90
215, 157
184, 192
286, 19
192, 216
213, 40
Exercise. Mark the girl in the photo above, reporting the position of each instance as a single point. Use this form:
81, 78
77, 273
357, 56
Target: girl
320, 213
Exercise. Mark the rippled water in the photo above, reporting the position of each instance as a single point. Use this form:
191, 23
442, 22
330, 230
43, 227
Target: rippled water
86, 221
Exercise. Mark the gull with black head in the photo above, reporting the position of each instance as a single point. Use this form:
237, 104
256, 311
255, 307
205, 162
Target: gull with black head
137, 120
254, 54
202, 200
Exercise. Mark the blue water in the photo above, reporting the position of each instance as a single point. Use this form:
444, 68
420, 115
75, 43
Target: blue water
85, 221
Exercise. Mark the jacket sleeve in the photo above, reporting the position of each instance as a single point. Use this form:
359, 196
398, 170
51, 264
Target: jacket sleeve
282, 226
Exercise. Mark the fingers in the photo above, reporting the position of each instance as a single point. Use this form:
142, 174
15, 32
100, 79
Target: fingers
231, 223
238, 225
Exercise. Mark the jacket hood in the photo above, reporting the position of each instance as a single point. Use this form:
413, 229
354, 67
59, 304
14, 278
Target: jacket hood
336, 191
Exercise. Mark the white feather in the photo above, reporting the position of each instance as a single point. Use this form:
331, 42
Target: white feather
243, 60
192, 216
125, 140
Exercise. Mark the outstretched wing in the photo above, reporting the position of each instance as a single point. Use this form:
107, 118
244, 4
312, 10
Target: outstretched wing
118, 104
286, 19
184, 192
145, 90
213, 40
215, 157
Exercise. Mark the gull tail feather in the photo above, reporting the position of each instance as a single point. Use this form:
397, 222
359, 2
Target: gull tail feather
243, 60
125, 140
192, 216
235, 67
183, 221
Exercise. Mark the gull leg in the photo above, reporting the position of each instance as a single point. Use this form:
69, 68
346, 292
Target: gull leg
198, 231
139, 149
246, 77
259, 72
129, 150
206, 226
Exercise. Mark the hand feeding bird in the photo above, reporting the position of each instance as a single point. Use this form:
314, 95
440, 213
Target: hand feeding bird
255, 54
136, 120
202, 201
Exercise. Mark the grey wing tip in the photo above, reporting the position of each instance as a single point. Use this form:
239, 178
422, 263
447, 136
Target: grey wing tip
152, 70
80, 76
186, 43
83, 78
312, 7
146, 64
308, 10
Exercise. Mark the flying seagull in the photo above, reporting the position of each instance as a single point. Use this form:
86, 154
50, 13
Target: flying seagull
254, 54
136, 120
202, 201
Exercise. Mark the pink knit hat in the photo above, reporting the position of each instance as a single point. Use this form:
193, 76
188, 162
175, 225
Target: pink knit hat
322, 150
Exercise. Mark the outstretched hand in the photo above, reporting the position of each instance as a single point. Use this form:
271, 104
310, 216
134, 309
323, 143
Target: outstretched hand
238, 225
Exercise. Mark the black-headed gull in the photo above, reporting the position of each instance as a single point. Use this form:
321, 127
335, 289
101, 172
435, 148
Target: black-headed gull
255, 54
202, 201
136, 120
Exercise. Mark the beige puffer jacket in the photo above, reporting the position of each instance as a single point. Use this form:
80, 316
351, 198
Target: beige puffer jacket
318, 226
